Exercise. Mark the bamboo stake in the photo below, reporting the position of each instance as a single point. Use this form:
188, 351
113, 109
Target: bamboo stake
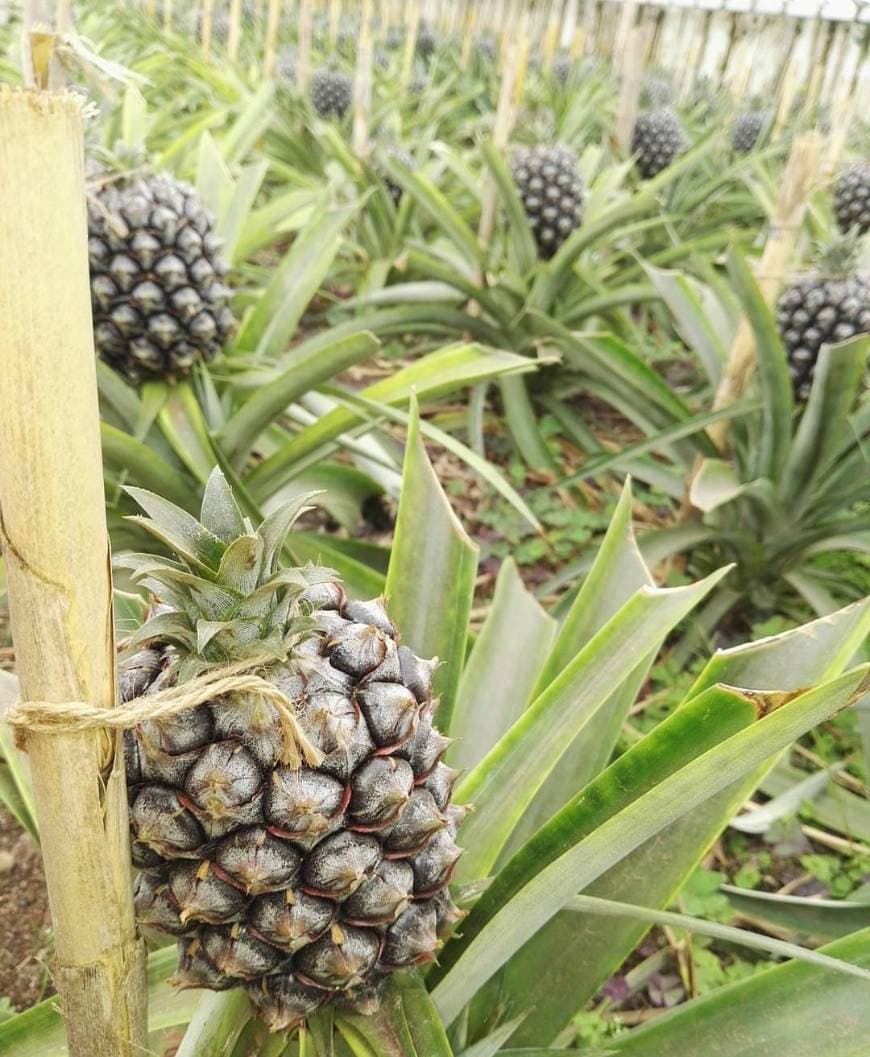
205, 27
467, 37
788, 214
362, 88
334, 19
626, 23
411, 27
234, 31
272, 17
631, 85
167, 15
819, 63
504, 116
303, 47
54, 535
550, 38
569, 24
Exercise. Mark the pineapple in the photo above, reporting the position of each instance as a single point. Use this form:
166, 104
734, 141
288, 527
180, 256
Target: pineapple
852, 197
824, 306
746, 129
551, 189
160, 303
304, 885
331, 92
657, 90
400, 155
657, 139
427, 42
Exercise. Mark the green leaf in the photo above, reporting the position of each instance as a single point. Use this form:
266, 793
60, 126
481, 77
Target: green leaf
430, 582
682, 294
216, 1024
431, 376
802, 1010
505, 782
824, 424
306, 369
802, 915
16, 790
773, 376
727, 933
502, 668
588, 859
406, 1025
271, 325
714, 484
125, 455
521, 232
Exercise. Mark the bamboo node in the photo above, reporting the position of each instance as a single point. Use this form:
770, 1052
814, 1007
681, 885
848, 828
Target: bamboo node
73, 717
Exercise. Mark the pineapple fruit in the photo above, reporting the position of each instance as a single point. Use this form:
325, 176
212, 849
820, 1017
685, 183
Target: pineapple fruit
852, 198
159, 300
824, 306
551, 189
657, 139
304, 885
331, 92
746, 129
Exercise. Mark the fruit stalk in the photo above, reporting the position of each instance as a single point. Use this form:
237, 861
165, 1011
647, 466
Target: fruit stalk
56, 549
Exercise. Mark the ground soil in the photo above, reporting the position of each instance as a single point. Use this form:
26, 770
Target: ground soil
24, 948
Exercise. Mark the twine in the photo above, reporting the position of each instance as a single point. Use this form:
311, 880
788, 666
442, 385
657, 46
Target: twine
74, 717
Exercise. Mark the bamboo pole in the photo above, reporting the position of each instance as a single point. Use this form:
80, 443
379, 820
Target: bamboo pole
303, 46
53, 530
273, 15
206, 13
818, 63
797, 182
362, 88
234, 30
167, 15
627, 19
467, 36
632, 80
411, 26
551, 36
334, 19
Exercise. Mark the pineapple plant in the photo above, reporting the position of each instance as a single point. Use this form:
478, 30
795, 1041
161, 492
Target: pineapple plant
828, 304
746, 129
304, 885
551, 189
331, 92
657, 90
851, 193
656, 140
406, 160
427, 41
159, 297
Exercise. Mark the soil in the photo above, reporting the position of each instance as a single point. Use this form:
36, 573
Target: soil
24, 921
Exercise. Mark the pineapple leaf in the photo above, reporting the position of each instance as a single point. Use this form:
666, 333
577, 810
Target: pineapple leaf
220, 512
181, 531
242, 564
276, 526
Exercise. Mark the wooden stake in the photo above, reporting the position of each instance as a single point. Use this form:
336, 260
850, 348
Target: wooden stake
631, 84
504, 116
303, 46
273, 15
627, 19
53, 530
362, 88
468, 34
550, 37
785, 224
411, 26
819, 64
167, 15
205, 27
234, 30
334, 19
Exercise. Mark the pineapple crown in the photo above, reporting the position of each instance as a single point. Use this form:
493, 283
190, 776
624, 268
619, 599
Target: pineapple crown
223, 596
839, 255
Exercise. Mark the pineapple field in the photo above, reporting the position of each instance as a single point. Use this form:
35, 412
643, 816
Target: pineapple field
435, 528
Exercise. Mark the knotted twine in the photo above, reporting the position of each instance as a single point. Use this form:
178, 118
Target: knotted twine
73, 717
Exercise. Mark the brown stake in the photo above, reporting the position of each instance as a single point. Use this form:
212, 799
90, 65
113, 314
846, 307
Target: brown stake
785, 224
57, 562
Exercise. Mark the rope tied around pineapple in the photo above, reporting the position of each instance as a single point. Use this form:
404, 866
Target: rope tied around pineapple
73, 717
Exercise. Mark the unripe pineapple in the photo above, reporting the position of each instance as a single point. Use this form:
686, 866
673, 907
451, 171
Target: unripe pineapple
657, 139
400, 155
657, 90
160, 303
825, 306
427, 42
551, 189
304, 885
852, 198
331, 92
746, 129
